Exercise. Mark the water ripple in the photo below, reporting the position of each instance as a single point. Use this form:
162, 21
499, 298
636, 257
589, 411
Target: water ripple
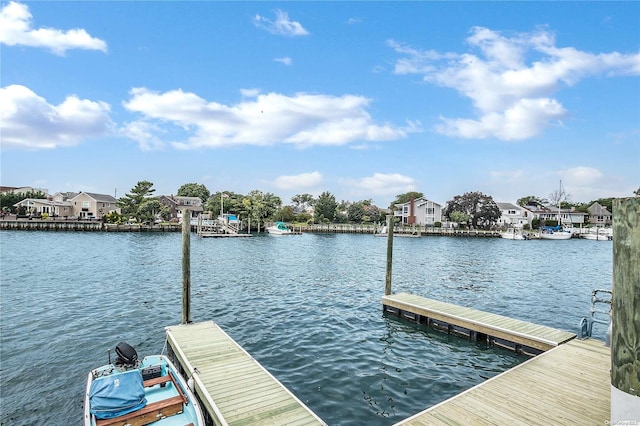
307, 308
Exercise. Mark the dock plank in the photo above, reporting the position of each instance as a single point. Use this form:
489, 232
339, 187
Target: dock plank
569, 384
520, 332
234, 388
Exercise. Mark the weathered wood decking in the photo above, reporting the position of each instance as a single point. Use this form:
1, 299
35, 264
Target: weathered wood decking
233, 387
478, 324
568, 385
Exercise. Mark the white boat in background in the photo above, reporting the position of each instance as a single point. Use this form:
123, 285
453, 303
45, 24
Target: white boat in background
556, 232
383, 232
279, 228
599, 234
513, 234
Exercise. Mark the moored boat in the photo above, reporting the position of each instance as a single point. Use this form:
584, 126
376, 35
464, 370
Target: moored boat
555, 233
279, 228
130, 391
599, 234
513, 234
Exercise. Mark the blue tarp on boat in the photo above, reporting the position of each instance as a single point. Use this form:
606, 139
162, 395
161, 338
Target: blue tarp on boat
116, 395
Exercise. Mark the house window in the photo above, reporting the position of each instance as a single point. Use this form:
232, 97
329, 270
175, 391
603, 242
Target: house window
86, 204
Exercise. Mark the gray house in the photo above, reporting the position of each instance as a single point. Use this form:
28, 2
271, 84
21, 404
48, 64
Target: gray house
177, 202
599, 215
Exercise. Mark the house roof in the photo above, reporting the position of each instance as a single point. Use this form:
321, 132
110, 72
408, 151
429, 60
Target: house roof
98, 197
417, 202
508, 206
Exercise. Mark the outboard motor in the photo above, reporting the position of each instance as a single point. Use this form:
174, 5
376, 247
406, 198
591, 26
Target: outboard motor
126, 355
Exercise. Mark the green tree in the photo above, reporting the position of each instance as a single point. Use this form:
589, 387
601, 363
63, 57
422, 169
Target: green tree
302, 201
231, 202
131, 204
481, 208
531, 200
325, 208
194, 190
356, 212
459, 217
285, 214
405, 198
8, 199
113, 217
149, 210
261, 206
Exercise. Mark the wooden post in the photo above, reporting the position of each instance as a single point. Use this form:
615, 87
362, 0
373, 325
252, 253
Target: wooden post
186, 266
625, 312
387, 286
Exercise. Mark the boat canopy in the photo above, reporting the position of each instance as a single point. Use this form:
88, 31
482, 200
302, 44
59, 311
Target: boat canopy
117, 395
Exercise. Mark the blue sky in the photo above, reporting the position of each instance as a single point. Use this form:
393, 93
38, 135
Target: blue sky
365, 100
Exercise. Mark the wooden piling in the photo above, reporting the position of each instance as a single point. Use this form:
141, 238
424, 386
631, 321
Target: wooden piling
186, 266
387, 286
625, 312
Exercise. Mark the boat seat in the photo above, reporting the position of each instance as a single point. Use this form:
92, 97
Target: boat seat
151, 412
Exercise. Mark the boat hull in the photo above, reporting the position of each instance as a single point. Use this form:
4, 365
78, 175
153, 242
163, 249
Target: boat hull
558, 235
597, 237
511, 235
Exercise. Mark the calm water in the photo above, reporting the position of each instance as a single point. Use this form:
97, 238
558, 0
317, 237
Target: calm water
306, 307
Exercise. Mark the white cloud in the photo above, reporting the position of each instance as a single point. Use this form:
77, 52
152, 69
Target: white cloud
281, 26
509, 79
299, 182
144, 133
522, 120
379, 184
301, 120
29, 121
286, 60
16, 29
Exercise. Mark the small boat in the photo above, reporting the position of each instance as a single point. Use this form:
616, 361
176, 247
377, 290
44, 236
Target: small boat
139, 392
555, 233
383, 232
279, 228
599, 234
513, 234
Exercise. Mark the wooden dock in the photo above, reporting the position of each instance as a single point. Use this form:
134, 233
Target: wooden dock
523, 337
232, 386
568, 385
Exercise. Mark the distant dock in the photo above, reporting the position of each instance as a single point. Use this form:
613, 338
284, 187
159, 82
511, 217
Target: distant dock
521, 336
232, 386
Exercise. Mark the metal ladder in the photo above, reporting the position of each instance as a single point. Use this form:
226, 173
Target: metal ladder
599, 297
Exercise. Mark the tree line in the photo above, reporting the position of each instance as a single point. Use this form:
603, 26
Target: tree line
140, 204
473, 209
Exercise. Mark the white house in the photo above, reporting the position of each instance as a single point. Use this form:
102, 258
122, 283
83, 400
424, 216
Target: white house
419, 211
514, 216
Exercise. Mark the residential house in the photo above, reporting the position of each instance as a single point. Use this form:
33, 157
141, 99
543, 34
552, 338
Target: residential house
177, 203
599, 216
514, 216
82, 205
419, 211
88, 205
21, 190
568, 217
